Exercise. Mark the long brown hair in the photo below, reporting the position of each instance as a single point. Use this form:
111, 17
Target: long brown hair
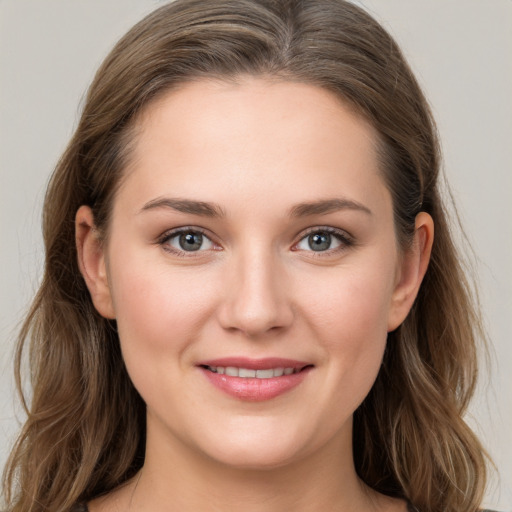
84, 434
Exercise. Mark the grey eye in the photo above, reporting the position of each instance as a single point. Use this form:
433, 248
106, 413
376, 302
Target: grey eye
319, 241
190, 241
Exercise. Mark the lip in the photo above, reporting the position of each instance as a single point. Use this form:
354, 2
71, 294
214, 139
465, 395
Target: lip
254, 389
256, 364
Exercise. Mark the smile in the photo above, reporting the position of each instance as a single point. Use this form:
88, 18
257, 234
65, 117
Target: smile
255, 380
246, 373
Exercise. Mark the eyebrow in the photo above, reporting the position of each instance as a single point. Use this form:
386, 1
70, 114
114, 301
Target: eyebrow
185, 206
202, 208
324, 206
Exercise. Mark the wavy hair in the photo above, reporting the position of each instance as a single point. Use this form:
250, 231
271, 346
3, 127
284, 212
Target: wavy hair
85, 430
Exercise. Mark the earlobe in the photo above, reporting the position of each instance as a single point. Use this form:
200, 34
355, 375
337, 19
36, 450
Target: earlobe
412, 269
92, 263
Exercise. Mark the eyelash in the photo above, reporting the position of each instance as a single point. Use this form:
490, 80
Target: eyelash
346, 241
168, 235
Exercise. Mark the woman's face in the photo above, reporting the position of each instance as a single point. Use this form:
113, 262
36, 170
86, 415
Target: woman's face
253, 237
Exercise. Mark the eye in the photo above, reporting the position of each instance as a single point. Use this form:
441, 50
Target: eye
323, 240
187, 240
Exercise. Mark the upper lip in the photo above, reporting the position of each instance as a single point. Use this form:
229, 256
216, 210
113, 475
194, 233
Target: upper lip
256, 364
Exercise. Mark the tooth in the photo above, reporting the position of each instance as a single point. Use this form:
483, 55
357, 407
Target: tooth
264, 374
231, 371
244, 372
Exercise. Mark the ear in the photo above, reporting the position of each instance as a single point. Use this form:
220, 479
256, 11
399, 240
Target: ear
411, 270
91, 261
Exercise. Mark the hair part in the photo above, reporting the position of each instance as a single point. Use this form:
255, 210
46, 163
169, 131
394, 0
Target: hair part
410, 440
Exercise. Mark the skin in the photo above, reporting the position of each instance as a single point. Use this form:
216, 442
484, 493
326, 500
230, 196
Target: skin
256, 149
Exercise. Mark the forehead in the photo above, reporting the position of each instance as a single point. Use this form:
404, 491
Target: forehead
216, 140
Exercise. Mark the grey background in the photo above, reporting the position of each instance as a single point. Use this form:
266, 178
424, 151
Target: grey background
461, 51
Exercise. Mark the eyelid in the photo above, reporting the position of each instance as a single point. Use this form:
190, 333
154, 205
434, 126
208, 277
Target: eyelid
171, 233
345, 238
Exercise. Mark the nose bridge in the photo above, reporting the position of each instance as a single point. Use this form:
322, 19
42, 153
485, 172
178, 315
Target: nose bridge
256, 298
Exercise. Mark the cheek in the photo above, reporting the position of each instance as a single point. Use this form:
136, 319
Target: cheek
353, 300
160, 312
349, 314
159, 309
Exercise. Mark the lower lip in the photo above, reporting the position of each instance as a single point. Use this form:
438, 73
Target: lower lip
253, 389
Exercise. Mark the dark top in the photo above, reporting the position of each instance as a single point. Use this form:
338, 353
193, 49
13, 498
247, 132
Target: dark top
80, 507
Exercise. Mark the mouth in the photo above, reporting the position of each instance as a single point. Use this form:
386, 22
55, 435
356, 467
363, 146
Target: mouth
248, 373
255, 380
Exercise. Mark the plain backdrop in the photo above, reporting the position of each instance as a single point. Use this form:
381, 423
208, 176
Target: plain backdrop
461, 51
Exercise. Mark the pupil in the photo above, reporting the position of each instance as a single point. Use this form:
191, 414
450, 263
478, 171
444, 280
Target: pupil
319, 241
191, 241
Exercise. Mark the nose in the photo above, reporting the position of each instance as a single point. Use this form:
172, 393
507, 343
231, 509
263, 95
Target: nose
256, 297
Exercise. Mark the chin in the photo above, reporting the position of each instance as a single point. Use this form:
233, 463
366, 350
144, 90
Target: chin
243, 457
259, 447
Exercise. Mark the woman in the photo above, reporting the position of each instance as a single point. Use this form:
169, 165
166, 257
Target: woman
244, 302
